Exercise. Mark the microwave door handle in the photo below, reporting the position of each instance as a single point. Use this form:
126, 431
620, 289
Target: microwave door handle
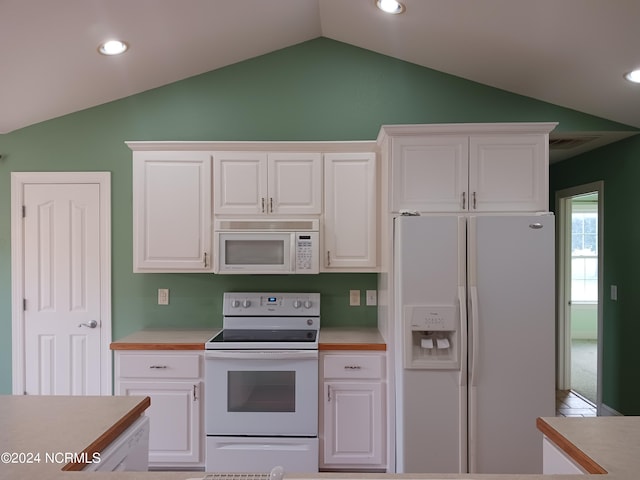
292, 253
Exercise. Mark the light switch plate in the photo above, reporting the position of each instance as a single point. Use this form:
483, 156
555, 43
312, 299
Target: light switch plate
354, 298
163, 296
372, 298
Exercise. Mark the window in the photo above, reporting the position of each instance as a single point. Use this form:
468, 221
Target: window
584, 253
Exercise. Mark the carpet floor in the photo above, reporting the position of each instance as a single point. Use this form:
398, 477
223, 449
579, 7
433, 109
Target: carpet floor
584, 368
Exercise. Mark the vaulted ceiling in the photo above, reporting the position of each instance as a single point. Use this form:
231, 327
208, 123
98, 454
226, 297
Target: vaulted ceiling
572, 53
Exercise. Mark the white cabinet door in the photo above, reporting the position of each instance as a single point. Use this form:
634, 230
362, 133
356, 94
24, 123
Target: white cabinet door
175, 420
430, 173
470, 173
556, 462
294, 183
257, 183
240, 183
508, 173
172, 212
174, 382
353, 425
350, 208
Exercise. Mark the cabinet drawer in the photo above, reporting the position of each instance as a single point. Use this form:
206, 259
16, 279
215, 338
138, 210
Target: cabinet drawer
353, 366
158, 365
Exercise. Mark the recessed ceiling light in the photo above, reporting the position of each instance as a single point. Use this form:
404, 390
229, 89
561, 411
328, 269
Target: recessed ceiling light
633, 76
113, 47
390, 6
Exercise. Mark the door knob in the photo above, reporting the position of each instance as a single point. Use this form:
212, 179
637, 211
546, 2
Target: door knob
91, 324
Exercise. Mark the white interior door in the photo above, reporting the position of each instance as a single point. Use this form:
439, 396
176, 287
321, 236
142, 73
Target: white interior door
64, 326
587, 301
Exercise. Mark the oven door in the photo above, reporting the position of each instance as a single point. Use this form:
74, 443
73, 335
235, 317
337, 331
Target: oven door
261, 392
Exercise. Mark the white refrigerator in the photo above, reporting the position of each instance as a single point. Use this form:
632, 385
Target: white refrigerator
475, 341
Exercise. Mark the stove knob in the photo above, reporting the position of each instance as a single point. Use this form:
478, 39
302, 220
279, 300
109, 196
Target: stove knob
307, 304
235, 303
246, 303
297, 304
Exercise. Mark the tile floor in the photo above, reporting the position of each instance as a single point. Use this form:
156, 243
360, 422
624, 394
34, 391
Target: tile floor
572, 404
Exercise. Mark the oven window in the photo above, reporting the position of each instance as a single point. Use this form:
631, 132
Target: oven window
254, 252
261, 391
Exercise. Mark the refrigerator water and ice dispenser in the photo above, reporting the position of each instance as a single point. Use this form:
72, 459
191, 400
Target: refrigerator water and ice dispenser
431, 337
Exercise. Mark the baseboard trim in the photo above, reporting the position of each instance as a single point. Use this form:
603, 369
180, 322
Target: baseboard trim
606, 411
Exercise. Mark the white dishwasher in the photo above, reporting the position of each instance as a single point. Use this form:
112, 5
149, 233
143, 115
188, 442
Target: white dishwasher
127, 453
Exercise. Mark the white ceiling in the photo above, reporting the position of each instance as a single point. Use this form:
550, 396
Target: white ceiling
572, 53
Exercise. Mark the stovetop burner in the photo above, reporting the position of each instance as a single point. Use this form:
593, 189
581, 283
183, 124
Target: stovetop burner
245, 335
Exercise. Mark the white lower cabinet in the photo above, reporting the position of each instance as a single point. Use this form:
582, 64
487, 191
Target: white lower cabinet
174, 382
555, 461
352, 417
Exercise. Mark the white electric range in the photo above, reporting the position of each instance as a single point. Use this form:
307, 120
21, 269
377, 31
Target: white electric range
261, 384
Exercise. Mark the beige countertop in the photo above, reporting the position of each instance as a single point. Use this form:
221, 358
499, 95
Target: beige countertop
165, 339
350, 338
598, 444
37, 428
333, 338
76, 424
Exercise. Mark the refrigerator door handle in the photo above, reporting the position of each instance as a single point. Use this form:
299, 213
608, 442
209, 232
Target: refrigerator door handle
473, 407
475, 331
464, 370
462, 301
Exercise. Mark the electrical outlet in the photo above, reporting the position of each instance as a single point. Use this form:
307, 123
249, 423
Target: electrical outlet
163, 296
614, 292
372, 298
354, 298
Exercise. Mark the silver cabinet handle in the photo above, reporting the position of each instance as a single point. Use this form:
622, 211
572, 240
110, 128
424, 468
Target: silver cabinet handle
464, 200
352, 367
262, 203
195, 393
474, 200
270, 204
328, 258
206, 264
158, 366
91, 324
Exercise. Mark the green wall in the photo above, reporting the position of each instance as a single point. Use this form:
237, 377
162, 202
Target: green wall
317, 90
618, 166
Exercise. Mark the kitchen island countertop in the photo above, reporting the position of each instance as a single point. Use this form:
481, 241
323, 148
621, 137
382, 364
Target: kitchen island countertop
45, 424
38, 431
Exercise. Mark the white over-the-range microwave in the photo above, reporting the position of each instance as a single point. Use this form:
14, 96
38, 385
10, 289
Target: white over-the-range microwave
266, 246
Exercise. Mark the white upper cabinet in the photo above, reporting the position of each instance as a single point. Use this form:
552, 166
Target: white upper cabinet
350, 212
172, 211
430, 173
259, 183
468, 167
508, 172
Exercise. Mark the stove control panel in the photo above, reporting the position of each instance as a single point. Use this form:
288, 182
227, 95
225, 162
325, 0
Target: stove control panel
270, 304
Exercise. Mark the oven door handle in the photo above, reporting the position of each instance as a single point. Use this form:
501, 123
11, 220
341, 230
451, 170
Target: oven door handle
262, 354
